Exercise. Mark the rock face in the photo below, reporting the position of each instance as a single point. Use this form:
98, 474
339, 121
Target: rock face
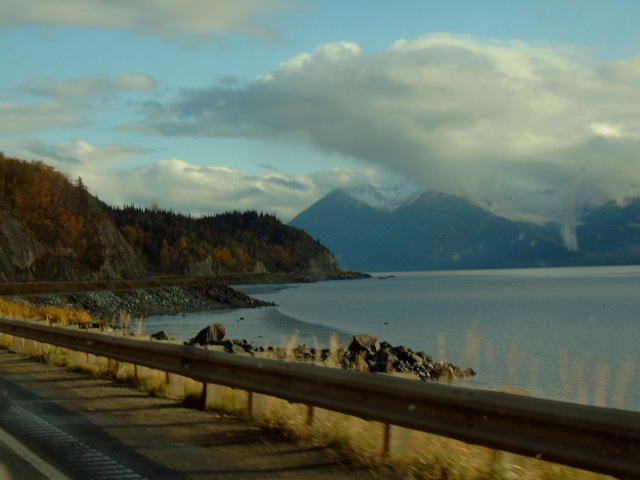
109, 257
324, 262
19, 248
25, 257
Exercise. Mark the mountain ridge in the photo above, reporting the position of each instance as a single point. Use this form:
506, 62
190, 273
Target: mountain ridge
437, 231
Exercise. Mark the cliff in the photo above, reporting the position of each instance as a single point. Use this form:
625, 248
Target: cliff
53, 229
19, 248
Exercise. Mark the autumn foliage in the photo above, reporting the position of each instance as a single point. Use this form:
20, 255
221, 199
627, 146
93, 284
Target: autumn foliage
62, 213
234, 242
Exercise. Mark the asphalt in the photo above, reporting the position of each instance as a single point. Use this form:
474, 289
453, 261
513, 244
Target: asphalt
54, 421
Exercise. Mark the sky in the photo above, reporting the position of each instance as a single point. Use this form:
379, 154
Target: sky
528, 108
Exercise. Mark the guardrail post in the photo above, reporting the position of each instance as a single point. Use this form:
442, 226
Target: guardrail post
386, 440
213, 395
496, 461
309, 415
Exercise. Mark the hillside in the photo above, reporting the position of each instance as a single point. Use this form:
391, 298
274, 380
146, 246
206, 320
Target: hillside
436, 231
53, 229
235, 242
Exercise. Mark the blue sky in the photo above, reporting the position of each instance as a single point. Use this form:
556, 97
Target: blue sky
203, 106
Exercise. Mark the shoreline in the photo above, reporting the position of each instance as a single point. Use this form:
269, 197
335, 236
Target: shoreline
159, 296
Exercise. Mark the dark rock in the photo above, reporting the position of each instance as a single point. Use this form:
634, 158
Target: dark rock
406, 355
206, 336
367, 354
161, 335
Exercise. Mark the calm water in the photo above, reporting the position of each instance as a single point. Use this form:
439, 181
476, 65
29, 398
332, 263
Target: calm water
568, 334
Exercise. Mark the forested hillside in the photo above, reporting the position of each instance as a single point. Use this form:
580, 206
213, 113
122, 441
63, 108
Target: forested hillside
169, 242
53, 228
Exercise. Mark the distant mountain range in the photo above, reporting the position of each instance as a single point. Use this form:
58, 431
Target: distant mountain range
371, 229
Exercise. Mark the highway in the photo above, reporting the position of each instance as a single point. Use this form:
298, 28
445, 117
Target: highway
61, 425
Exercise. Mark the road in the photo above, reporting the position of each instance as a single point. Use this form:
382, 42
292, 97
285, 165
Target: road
59, 424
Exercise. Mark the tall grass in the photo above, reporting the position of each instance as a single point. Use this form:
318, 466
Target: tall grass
52, 314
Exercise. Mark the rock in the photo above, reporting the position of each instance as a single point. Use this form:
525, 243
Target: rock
161, 335
407, 356
244, 344
213, 333
364, 342
366, 353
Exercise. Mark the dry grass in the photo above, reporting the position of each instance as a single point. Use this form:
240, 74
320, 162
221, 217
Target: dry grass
52, 314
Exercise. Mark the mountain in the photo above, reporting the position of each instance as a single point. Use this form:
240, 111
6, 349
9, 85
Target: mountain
612, 231
437, 231
54, 229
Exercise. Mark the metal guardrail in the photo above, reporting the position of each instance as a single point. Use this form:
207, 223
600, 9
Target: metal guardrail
592, 438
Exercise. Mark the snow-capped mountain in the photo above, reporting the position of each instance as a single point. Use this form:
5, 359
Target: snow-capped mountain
386, 199
394, 230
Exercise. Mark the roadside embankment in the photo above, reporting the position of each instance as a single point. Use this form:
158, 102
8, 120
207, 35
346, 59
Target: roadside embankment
278, 278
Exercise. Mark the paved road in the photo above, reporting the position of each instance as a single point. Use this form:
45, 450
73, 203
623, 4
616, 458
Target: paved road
84, 427
25, 465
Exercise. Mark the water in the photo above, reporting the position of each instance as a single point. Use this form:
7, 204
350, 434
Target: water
569, 334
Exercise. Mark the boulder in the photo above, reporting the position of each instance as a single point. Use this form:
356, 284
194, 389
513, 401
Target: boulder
213, 333
161, 335
366, 353
364, 342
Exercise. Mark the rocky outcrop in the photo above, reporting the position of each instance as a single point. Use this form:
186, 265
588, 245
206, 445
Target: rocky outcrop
19, 249
107, 257
324, 262
24, 256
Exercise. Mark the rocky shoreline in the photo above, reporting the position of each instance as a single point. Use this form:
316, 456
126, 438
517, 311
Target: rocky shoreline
184, 296
147, 301
365, 353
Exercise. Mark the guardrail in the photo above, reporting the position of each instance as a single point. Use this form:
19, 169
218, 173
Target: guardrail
593, 438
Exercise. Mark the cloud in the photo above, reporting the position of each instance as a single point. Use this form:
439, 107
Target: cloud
68, 103
28, 118
73, 153
167, 19
203, 190
184, 187
475, 117
87, 87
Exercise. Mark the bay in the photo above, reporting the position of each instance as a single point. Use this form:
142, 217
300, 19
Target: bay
568, 333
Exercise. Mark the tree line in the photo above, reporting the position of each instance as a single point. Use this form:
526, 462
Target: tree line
64, 215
